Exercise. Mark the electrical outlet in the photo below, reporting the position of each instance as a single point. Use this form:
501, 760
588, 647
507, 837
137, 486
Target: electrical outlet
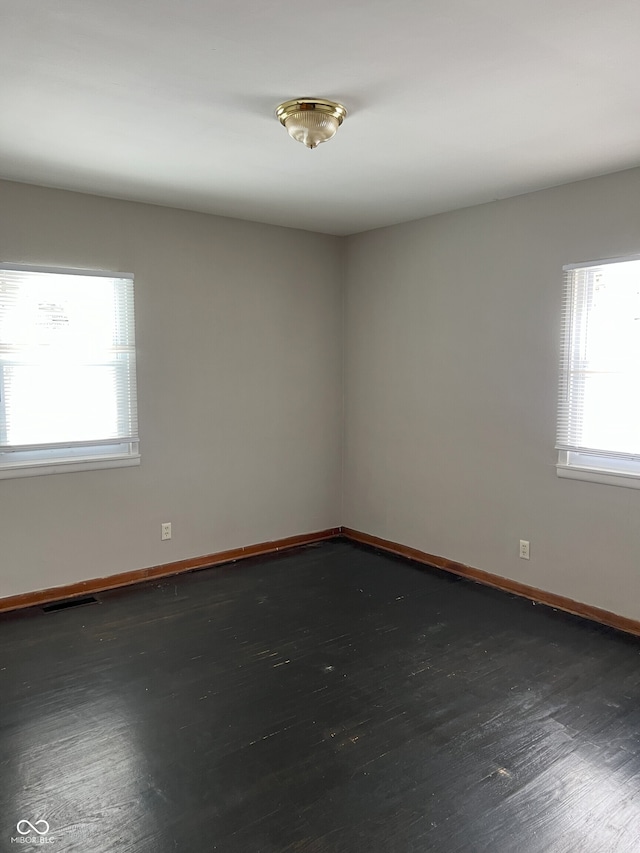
524, 549
166, 530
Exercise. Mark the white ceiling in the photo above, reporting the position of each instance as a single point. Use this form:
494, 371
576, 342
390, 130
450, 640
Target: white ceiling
451, 102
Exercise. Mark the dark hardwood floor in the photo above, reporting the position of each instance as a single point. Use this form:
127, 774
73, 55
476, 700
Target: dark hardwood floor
330, 698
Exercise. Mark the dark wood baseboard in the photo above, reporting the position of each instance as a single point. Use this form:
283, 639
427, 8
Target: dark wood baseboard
88, 587
587, 611
95, 585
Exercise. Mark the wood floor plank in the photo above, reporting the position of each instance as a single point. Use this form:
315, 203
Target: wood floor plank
332, 698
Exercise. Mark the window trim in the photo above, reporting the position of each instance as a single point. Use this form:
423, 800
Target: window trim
591, 474
622, 259
32, 461
65, 466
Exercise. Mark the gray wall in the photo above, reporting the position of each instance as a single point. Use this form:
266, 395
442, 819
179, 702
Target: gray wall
239, 381
452, 350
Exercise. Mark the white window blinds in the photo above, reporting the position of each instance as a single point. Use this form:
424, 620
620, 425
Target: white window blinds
599, 399
67, 367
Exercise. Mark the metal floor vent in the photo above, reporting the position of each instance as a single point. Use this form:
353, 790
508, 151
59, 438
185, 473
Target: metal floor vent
70, 602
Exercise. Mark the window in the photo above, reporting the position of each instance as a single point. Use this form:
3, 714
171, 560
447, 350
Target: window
599, 396
67, 371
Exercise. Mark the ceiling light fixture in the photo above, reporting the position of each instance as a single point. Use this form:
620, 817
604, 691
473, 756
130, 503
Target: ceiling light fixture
310, 120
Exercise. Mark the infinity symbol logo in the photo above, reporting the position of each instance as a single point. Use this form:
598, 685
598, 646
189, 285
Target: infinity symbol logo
32, 827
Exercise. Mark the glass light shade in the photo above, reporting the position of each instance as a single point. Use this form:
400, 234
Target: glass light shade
311, 121
311, 128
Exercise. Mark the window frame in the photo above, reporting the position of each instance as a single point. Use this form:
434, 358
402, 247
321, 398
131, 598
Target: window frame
607, 467
65, 457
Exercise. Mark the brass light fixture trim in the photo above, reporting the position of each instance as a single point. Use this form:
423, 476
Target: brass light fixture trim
311, 120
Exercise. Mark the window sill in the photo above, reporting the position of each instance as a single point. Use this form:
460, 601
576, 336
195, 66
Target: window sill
592, 475
8, 472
